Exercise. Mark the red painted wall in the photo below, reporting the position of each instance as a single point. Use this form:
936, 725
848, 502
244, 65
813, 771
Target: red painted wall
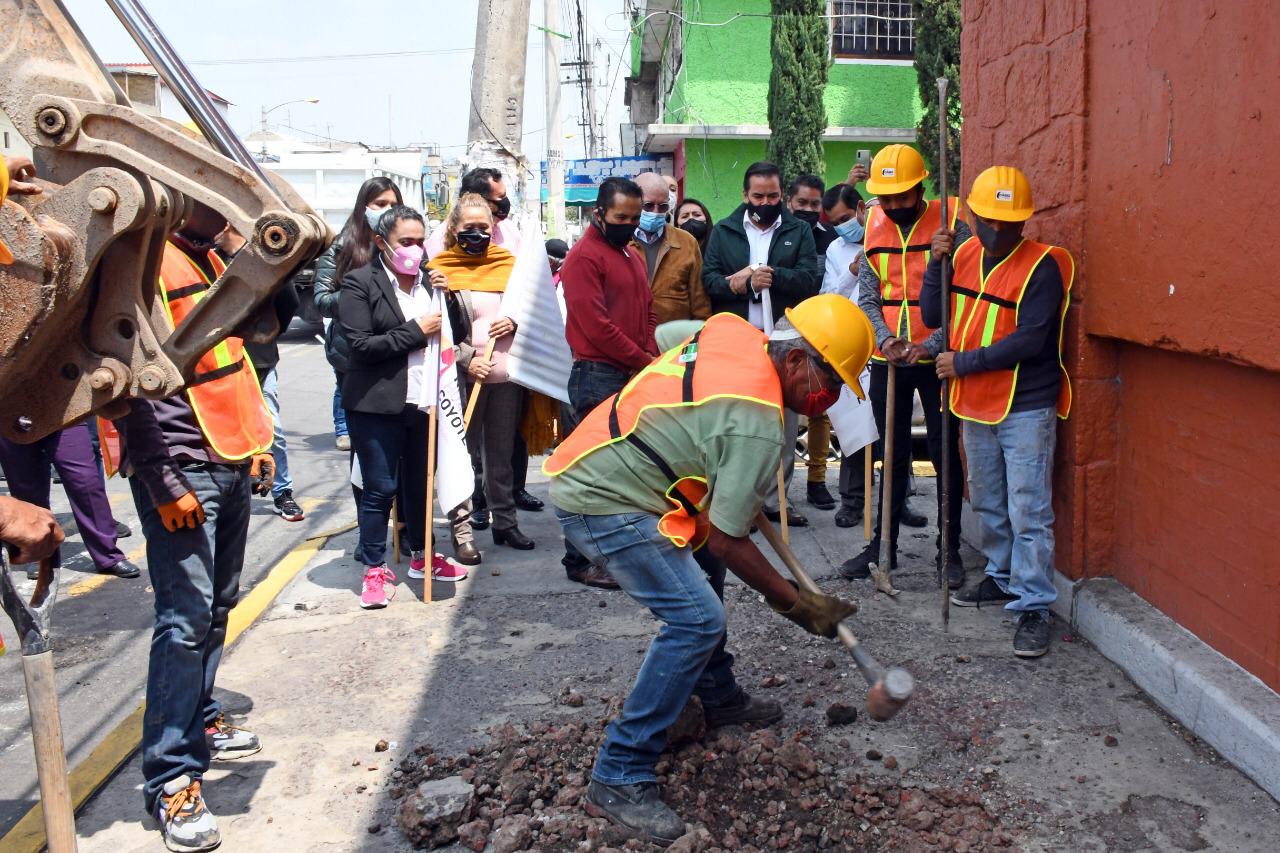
1147, 129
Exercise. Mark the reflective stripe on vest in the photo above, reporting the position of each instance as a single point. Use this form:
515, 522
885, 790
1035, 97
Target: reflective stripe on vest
985, 310
726, 359
223, 392
899, 262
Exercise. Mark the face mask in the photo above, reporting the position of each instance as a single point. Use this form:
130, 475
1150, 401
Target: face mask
504, 208
372, 215
652, 222
671, 199
901, 216
617, 234
473, 241
809, 216
406, 259
764, 215
817, 402
696, 227
851, 231
998, 243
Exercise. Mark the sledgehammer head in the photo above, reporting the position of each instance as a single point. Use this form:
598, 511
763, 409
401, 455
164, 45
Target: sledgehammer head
889, 694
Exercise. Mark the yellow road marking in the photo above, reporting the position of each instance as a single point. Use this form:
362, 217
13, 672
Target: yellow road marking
91, 583
27, 835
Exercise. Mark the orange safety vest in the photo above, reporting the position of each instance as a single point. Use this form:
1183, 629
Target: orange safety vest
224, 393
727, 358
899, 262
984, 309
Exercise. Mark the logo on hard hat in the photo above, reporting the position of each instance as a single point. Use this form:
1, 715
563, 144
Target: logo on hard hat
887, 172
1004, 195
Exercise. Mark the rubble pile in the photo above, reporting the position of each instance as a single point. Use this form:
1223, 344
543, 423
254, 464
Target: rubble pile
739, 791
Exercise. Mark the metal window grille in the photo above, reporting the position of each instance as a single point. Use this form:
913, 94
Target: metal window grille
873, 29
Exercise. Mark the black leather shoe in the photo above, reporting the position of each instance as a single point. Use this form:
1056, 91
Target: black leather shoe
513, 538
820, 497
955, 570
848, 516
592, 576
122, 569
527, 502
742, 708
794, 519
638, 808
466, 553
911, 518
122, 530
480, 519
859, 567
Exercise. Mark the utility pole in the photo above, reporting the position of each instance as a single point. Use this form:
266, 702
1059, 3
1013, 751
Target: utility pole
497, 92
589, 75
555, 132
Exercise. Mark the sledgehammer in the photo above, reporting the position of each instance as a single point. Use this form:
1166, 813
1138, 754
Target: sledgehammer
891, 688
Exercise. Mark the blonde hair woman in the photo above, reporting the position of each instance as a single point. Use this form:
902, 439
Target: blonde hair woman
478, 271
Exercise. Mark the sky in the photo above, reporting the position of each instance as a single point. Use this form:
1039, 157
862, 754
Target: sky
376, 98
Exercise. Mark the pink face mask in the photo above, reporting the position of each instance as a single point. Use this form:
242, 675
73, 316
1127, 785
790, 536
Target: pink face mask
407, 259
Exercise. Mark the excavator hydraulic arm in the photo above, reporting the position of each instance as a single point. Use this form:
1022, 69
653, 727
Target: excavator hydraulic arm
81, 326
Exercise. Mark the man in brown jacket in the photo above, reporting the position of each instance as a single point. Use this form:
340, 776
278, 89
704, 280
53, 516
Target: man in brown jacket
671, 256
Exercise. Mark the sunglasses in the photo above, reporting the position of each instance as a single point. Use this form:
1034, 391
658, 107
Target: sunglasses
656, 206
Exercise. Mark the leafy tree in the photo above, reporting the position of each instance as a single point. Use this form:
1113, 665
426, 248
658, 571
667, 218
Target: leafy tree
937, 33
797, 79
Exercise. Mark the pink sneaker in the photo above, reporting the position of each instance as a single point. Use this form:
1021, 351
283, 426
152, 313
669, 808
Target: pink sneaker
374, 595
418, 565
443, 569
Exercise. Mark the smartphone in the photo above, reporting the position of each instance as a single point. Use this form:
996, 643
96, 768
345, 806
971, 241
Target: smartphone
864, 157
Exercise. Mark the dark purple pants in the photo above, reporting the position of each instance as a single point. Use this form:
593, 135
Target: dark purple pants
26, 466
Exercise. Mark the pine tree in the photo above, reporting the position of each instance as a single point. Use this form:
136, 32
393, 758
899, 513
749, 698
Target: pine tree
937, 32
797, 79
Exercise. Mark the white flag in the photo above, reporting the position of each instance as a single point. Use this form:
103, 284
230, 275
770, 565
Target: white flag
454, 479
539, 358
852, 420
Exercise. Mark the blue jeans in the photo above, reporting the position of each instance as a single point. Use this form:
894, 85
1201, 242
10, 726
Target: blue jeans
279, 449
389, 447
196, 577
339, 413
1011, 489
669, 581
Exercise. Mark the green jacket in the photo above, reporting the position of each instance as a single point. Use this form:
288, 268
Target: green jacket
792, 255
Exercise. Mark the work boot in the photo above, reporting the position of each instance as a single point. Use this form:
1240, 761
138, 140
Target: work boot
527, 502
794, 519
227, 742
742, 708
638, 808
848, 516
512, 538
911, 518
859, 567
986, 592
185, 822
1031, 640
820, 497
592, 575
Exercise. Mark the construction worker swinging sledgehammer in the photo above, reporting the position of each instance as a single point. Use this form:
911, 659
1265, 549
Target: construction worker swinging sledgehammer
683, 457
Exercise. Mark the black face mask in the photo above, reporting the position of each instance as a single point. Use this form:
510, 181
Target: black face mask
764, 215
696, 227
998, 243
807, 216
617, 234
473, 241
903, 217
504, 208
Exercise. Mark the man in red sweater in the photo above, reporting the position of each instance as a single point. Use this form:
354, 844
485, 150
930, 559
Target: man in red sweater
609, 323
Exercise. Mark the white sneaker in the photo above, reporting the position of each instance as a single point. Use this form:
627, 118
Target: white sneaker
227, 742
185, 821
342, 442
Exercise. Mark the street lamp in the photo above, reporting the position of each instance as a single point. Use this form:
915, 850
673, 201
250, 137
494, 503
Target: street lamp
266, 112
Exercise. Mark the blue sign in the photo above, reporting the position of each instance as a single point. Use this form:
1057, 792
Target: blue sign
582, 178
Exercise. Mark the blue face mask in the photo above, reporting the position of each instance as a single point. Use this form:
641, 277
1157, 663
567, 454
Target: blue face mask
652, 222
851, 231
372, 215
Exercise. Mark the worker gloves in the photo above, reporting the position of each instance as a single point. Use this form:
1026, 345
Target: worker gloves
262, 470
186, 511
817, 613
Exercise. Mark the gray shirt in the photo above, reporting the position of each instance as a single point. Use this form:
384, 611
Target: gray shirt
871, 302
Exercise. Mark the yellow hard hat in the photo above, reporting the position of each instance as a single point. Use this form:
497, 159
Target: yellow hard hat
1003, 193
837, 329
6, 257
896, 169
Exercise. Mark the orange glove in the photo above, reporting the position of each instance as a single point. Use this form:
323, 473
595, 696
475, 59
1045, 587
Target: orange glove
186, 511
262, 470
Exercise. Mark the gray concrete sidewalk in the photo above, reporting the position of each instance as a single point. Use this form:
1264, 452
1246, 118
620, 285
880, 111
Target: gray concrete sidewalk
1065, 750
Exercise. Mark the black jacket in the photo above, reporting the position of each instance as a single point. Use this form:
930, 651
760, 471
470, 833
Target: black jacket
326, 291
792, 254
381, 338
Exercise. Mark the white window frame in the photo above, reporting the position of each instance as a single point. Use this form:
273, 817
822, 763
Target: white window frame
853, 60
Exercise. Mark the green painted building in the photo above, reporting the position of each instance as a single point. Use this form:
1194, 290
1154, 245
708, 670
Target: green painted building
700, 86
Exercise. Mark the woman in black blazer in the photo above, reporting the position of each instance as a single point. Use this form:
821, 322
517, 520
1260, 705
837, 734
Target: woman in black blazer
384, 313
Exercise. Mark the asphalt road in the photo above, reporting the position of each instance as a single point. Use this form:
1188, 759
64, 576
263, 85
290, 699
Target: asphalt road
102, 625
